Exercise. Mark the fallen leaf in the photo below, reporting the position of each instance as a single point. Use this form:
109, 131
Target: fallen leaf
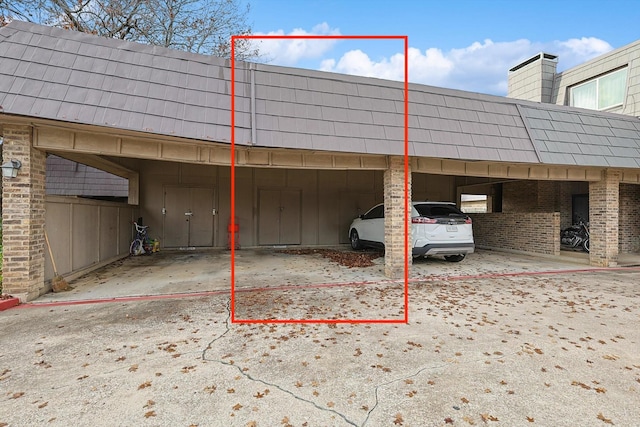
210, 389
42, 405
331, 404
487, 417
144, 385
601, 390
133, 368
285, 420
603, 419
231, 390
258, 395
150, 414
237, 407
252, 424
448, 421
149, 404
469, 420
398, 420
530, 419
17, 395
464, 400
120, 359
408, 381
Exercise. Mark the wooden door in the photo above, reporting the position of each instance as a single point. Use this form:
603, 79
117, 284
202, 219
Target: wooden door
279, 217
188, 217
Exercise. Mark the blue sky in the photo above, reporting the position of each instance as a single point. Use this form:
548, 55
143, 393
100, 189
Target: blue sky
460, 44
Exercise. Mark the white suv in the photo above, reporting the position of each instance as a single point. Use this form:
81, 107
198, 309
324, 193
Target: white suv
437, 228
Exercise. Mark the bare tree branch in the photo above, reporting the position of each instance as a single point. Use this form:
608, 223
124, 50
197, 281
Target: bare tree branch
199, 26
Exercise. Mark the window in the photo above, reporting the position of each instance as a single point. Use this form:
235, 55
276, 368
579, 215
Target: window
600, 93
377, 212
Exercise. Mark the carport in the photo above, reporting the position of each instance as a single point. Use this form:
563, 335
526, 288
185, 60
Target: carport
313, 150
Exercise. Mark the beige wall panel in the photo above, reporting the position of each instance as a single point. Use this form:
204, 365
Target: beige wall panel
330, 183
318, 160
85, 239
478, 169
258, 157
125, 230
538, 172
498, 170
86, 232
53, 138
245, 198
95, 142
139, 148
453, 167
576, 175
181, 152
307, 181
439, 188
364, 180
593, 174
557, 173
270, 177
57, 224
198, 174
518, 172
108, 232
374, 162
286, 159
350, 162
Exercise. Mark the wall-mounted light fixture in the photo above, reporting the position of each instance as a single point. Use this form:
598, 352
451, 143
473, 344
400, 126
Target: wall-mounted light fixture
10, 169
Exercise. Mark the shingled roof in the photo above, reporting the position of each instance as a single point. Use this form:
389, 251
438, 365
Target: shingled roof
75, 77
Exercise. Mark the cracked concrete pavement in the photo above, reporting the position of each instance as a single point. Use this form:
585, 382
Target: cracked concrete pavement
558, 349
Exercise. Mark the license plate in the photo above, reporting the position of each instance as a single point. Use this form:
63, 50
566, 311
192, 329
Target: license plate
452, 228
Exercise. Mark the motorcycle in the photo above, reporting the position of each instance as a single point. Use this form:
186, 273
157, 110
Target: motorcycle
576, 236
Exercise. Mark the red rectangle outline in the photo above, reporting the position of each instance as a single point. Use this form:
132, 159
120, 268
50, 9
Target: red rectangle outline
406, 180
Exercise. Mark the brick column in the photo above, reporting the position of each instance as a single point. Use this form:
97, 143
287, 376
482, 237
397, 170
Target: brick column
603, 219
23, 200
395, 217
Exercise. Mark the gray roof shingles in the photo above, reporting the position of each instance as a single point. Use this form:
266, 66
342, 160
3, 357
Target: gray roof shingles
69, 76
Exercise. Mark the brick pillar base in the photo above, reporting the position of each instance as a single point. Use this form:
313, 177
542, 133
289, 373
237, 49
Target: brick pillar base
23, 201
395, 217
603, 218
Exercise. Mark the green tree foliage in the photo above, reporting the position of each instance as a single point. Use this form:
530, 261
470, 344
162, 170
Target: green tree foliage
199, 26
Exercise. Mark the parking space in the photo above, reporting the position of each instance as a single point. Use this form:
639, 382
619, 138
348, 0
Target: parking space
506, 350
208, 271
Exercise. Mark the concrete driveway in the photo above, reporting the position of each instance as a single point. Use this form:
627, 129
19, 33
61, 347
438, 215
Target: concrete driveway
553, 349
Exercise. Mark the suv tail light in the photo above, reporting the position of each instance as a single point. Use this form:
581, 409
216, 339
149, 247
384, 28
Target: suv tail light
467, 220
423, 220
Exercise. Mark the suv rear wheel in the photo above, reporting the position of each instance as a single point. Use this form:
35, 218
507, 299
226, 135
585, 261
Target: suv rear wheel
454, 258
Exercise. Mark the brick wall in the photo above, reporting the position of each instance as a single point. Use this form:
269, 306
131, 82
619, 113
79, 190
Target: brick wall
530, 196
629, 219
537, 232
395, 216
23, 209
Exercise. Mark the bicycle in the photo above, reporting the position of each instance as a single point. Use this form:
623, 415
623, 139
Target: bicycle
139, 246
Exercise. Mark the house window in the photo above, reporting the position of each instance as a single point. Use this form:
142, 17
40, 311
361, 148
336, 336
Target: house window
601, 93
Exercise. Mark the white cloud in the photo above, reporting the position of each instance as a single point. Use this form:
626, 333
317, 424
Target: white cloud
480, 67
290, 51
